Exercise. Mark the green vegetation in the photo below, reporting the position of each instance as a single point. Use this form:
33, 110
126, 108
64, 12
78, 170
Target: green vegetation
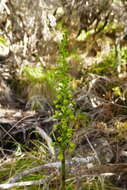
41, 82
108, 65
34, 73
60, 75
64, 109
24, 161
3, 41
105, 67
85, 35
124, 54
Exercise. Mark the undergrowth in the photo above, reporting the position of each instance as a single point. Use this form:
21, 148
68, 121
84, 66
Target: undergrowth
105, 67
22, 162
56, 82
40, 81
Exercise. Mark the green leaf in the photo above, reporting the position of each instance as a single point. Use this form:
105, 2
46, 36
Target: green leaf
3, 41
71, 147
60, 156
117, 91
59, 139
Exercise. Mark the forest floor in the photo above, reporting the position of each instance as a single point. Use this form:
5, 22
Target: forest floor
101, 137
99, 160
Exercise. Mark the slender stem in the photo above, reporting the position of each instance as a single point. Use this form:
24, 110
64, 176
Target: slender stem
63, 172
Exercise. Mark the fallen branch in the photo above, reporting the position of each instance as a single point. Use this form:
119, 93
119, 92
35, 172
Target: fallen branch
101, 170
27, 183
56, 165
